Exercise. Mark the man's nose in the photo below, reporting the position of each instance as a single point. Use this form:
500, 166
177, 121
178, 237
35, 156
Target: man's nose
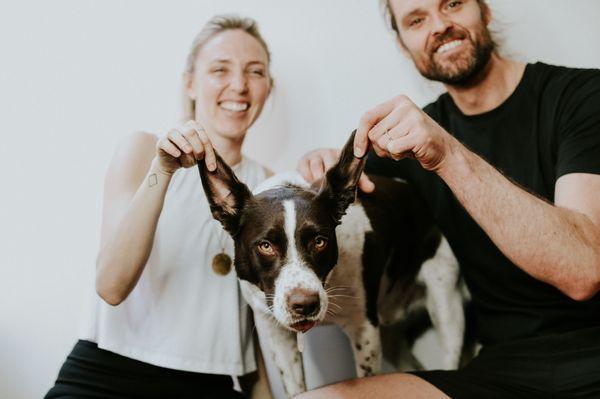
303, 303
440, 23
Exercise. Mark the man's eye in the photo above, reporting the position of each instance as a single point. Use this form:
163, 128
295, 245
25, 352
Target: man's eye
454, 4
257, 72
265, 248
415, 21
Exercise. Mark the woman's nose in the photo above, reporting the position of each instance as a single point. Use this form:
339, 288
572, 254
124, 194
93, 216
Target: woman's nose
239, 82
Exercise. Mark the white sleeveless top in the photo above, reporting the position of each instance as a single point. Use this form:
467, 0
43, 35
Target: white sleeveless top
181, 315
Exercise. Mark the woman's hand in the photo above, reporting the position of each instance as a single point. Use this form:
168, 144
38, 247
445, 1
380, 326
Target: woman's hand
184, 147
399, 129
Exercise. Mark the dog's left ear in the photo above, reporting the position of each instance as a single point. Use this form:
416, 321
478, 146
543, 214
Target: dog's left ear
341, 181
225, 193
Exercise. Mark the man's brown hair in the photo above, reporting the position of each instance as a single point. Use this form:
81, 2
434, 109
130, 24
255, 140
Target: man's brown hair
389, 14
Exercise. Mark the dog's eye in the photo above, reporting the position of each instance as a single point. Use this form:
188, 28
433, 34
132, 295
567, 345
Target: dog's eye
320, 243
265, 248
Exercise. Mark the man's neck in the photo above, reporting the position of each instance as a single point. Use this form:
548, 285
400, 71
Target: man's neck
496, 82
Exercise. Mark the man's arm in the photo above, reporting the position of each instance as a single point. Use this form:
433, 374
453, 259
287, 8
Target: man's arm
558, 244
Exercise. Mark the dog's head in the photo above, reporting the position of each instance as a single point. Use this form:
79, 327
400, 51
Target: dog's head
284, 237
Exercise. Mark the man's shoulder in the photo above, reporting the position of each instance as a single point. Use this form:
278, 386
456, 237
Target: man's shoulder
560, 70
564, 80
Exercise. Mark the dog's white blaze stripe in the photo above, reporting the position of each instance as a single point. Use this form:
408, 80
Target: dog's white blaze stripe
290, 230
294, 273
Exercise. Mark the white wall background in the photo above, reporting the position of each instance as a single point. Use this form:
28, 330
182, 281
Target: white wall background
78, 75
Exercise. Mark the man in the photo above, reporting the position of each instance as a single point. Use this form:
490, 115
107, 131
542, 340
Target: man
508, 161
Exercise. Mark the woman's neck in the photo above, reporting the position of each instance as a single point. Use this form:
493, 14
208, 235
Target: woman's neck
229, 149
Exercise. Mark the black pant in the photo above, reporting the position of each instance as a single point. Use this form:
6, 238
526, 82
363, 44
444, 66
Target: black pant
91, 372
555, 366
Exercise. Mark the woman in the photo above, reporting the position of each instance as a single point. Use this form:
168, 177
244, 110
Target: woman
172, 323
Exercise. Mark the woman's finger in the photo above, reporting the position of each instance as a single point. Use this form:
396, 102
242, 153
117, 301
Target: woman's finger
177, 138
191, 134
168, 147
209, 153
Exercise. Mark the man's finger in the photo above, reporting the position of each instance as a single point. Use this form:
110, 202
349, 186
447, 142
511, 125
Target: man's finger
379, 151
330, 158
365, 184
317, 168
368, 120
400, 147
304, 170
381, 133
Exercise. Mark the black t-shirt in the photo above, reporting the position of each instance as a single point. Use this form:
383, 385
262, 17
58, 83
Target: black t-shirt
548, 127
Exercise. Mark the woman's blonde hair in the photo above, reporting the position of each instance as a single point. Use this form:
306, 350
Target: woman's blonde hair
216, 25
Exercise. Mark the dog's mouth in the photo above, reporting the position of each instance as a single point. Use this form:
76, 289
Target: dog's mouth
303, 325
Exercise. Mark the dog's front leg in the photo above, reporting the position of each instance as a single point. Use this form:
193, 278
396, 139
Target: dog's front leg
444, 303
366, 346
284, 352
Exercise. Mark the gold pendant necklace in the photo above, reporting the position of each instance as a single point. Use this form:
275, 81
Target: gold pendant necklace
221, 264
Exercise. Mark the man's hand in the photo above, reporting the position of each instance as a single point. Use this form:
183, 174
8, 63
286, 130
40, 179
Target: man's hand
398, 129
313, 166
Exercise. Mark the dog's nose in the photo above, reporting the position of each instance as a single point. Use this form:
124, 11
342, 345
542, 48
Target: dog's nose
302, 302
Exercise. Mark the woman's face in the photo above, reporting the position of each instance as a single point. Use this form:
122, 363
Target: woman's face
230, 83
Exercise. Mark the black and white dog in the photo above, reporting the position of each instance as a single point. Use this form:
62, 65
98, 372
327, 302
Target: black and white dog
306, 255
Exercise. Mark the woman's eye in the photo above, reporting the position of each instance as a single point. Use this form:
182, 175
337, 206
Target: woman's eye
257, 72
454, 4
266, 248
320, 243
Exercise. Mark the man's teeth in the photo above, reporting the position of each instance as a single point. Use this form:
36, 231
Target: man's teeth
235, 106
448, 46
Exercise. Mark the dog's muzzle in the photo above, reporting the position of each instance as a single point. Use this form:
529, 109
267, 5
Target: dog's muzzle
303, 304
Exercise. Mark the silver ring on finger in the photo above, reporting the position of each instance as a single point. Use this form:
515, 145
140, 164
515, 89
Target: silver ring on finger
387, 135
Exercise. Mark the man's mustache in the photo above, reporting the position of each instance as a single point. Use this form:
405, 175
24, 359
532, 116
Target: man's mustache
447, 36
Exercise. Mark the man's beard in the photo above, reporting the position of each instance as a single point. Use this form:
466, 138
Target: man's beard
463, 70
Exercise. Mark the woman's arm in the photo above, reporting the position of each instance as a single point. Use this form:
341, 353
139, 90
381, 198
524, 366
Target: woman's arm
134, 193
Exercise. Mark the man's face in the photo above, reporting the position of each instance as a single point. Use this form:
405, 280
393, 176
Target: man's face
447, 40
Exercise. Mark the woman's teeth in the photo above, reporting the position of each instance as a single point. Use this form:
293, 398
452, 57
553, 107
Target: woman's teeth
235, 106
448, 46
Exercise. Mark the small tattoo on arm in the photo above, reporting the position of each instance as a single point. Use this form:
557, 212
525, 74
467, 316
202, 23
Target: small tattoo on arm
152, 180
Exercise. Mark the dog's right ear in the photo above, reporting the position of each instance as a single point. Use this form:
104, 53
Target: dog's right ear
225, 193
